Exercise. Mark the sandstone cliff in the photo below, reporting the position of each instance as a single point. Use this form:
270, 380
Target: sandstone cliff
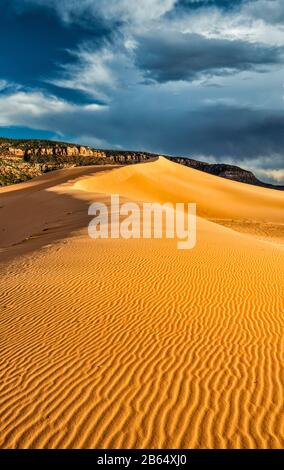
21, 159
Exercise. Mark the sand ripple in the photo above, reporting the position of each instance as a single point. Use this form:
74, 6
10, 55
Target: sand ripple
117, 343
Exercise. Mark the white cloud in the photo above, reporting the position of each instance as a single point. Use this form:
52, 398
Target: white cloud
92, 72
31, 103
101, 73
276, 176
269, 10
92, 107
242, 23
22, 107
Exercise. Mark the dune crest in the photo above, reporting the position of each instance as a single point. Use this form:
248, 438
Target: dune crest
242, 207
133, 343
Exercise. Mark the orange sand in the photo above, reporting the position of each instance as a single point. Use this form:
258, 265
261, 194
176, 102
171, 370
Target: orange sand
133, 343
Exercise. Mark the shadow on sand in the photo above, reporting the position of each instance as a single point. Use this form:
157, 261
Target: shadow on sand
35, 214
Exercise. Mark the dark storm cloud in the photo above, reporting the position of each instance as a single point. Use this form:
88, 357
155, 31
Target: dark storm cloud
167, 56
270, 11
222, 132
240, 133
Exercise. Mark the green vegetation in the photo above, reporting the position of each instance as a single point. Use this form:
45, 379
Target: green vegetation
14, 170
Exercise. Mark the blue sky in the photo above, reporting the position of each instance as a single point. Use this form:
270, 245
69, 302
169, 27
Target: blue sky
202, 78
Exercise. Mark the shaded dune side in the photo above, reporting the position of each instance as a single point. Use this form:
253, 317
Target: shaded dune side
137, 344
43, 211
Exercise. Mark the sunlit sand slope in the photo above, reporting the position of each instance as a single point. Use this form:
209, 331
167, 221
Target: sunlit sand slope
215, 197
133, 343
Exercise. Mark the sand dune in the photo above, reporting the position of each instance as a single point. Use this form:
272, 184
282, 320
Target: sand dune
133, 343
167, 181
240, 206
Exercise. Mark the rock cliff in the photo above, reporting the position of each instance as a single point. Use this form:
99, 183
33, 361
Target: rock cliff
21, 159
231, 172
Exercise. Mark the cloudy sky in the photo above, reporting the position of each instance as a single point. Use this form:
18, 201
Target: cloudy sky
201, 78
